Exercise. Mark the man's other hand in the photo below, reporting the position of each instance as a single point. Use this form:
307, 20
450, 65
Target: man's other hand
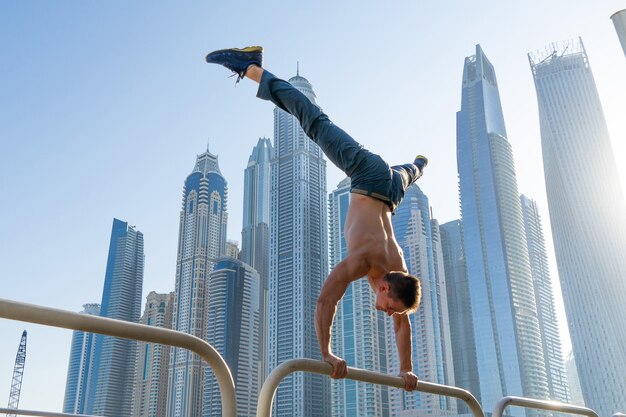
410, 380
340, 369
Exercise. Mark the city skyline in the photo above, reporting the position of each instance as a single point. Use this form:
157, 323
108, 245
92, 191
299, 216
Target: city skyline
80, 274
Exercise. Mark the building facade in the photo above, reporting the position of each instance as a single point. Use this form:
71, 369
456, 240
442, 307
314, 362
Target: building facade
201, 239
509, 353
459, 311
558, 388
233, 323
151, 369
358, 333
255, 235
418, 237
588, 219
112, 376
298, 260
80, 365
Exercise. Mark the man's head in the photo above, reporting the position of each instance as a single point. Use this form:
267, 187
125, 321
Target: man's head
399, 292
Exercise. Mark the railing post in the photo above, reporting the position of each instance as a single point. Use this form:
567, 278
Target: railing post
69, 320
498, 410
268, 390
22, 412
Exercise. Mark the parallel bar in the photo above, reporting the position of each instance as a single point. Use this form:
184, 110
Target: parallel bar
541, 405
268, 390
39, 413
69, 320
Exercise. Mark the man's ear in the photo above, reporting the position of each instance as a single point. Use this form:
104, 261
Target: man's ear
383, 287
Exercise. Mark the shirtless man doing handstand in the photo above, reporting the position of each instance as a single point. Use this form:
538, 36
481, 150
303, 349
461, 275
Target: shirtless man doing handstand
376, 188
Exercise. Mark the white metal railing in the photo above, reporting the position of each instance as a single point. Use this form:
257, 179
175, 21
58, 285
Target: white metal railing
266, 396
21, 412
498, 410
69, 320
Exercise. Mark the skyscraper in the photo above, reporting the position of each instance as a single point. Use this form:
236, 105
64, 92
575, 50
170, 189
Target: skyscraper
298, 260
459, 311
80, 365
358, 333
111, 380
233, 330
588, 218
201, 239
150, 391
506, 329
430, 326
544, 295
255, 235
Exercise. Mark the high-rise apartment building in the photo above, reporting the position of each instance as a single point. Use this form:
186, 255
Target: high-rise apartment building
201, 239
588, 219
151, 369
459, 311
358, 333
298, 260
558, 388
80, 365
509, 353
255, 235
430, 326
112, 377
233, 330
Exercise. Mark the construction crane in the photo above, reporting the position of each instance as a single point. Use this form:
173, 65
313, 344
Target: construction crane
18, 373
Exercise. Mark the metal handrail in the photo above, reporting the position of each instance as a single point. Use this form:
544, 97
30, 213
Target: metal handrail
39, 413
266, 396
69, 320
498, 411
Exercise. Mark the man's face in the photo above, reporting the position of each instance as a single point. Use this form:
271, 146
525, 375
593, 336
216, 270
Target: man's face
391, 306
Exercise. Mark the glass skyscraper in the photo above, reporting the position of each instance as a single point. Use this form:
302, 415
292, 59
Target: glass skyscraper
112, 377
459, 311
80, 365
233, 330
358, 333
588, 219
255, 234
509, 353
546, 310
150, 392
201, 239
298, 260
418, 237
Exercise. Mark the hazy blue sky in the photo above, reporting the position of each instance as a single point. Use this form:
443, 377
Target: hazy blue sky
104, 106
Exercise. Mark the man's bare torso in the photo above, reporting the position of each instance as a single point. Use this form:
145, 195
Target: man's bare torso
369, 235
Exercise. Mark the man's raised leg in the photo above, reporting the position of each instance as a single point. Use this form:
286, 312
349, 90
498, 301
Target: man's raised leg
340, 148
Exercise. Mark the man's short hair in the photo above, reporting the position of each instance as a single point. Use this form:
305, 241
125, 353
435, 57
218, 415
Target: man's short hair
406, 288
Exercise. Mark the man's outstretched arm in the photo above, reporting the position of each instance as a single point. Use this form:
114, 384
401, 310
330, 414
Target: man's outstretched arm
402, 329
348, 270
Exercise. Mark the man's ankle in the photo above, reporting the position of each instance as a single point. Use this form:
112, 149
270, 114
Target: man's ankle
254, 72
